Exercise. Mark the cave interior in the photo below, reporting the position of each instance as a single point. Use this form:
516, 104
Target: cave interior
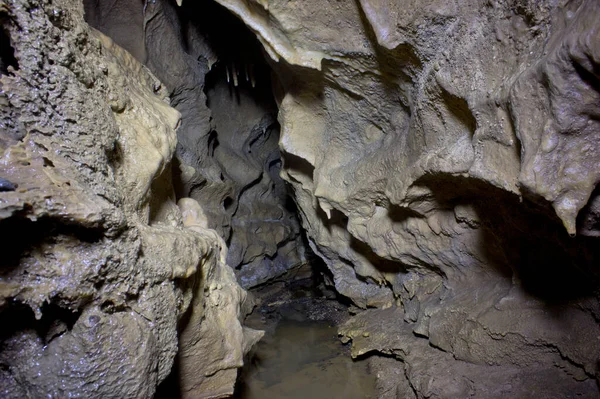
290, 199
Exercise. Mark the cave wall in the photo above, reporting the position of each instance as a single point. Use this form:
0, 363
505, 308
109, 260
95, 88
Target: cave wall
444, 157
100, 266
264, 235
227, 154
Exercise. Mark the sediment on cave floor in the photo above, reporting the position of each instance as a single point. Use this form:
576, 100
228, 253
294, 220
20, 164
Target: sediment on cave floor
301, 353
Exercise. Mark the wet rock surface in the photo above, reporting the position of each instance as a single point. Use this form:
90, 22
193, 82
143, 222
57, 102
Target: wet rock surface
443, 160
443, 157
98, 265
424, 371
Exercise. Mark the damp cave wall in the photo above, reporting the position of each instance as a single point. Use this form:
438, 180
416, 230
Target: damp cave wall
103, 266
443, 158
227, 153
431, 188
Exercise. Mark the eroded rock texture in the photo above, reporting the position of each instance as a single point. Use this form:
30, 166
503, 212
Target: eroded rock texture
264, 237
441, 155
227, 153
98, 266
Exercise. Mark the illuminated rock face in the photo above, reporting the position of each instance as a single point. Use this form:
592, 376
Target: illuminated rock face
227, 150
98, 266
443, 157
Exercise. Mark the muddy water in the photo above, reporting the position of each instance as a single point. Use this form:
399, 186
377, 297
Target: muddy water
304, 360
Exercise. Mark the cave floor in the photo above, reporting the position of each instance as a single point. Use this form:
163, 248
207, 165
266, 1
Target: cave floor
300, 355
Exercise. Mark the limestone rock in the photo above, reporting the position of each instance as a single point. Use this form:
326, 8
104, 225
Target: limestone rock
424, 371
227, 156
441, 156
213, 342
97, 267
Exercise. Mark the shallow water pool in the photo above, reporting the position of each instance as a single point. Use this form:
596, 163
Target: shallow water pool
304, 360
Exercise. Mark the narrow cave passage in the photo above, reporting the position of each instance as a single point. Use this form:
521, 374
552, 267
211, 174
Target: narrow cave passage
258, 216
228, 160
227, 155
300, 355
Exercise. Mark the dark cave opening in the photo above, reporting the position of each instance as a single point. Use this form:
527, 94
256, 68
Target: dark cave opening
243, 144
221, 82
297, 307
7, 54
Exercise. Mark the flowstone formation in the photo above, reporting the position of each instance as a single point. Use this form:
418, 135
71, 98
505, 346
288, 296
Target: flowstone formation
444, 157
98, 265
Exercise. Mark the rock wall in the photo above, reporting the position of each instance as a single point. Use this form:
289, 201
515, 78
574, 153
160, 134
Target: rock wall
264, 234
444, 157
98, 265
227, 153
